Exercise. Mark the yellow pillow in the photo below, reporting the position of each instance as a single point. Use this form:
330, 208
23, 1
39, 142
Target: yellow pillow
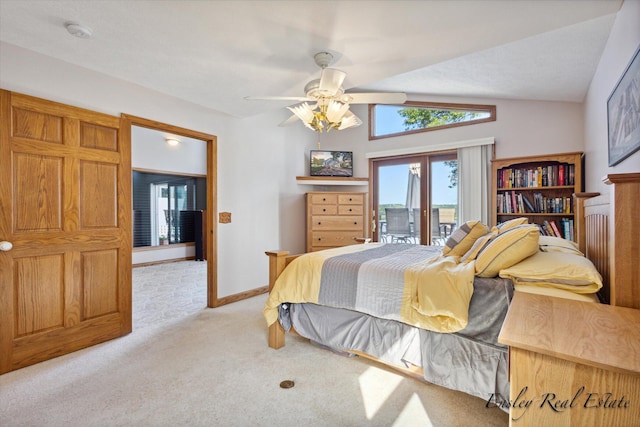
477, 246
560, 270
463, 238
558, 244
508, 225
507, 249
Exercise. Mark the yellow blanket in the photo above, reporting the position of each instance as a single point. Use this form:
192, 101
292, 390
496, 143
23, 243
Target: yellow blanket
409, 283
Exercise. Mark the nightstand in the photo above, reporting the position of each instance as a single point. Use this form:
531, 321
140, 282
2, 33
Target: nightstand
572, 362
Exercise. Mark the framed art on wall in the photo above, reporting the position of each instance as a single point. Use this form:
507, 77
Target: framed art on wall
623, 114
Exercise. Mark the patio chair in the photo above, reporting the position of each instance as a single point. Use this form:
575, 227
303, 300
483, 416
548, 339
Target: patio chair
447, 220
436, 230
398, 225
416, 225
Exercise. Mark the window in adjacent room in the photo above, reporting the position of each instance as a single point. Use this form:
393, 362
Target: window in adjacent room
164, 206
414, 117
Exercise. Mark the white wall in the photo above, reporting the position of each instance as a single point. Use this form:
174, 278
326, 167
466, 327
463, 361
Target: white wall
623, 42
149, 150
257, 185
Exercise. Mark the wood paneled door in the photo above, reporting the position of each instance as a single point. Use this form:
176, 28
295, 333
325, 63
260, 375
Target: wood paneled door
65, 190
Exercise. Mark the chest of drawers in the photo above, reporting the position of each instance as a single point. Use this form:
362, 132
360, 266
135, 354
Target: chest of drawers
334, 219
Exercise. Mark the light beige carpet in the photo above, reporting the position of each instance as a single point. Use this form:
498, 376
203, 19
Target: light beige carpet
212, 367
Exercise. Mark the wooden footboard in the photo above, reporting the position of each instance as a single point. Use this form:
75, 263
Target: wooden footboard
278, 260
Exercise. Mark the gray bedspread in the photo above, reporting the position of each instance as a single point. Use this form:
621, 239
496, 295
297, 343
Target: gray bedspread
470, 360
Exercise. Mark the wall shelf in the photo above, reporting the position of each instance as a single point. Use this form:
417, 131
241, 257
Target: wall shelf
331, 180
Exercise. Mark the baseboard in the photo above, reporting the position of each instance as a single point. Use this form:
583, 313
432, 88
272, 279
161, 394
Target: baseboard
163, 261
242, 295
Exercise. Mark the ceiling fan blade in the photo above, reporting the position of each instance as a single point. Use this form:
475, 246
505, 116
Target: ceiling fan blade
377, 98
331, 81
289, 121
278, 98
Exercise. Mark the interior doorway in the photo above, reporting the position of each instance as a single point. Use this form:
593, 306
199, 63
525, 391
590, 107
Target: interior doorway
209, 221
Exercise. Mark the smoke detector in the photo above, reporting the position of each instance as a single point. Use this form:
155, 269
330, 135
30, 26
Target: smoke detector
78, 30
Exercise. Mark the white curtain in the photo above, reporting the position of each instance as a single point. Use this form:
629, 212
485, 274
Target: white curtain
474, 183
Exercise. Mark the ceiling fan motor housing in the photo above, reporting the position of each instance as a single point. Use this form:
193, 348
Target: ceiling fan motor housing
323, 59
312, 90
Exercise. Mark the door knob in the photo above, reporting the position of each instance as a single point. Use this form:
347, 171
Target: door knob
5, 246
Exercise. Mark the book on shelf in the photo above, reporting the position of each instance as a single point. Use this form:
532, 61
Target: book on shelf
567, 228
512, 202
544, 204
548, 228
563, 230
571, 234
562, 174
526, 201
543, 230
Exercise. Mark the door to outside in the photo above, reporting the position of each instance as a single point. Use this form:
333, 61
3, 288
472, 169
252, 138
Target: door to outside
414, 199
65, 189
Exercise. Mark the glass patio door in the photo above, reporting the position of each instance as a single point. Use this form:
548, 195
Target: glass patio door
414, 198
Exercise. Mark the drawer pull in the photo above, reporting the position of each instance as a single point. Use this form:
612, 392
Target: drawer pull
350, 210
355, 222
324, 210
350, 199
324, 200
319, 239
319, 222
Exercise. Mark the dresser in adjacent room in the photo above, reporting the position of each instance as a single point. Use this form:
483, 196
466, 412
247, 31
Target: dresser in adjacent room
335, 219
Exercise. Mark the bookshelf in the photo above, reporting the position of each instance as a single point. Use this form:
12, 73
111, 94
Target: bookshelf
540, 188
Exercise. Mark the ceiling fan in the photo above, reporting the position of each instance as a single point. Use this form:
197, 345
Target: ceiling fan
325, 105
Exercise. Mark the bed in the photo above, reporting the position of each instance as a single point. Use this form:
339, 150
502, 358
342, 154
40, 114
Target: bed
464, 353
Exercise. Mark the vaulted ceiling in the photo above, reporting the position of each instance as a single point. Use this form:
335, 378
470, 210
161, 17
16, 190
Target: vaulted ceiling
215, 53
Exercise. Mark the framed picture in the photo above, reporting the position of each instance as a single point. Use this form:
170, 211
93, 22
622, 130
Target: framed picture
623, 114
331, 163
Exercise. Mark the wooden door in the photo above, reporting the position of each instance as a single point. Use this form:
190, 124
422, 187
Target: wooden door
65, 189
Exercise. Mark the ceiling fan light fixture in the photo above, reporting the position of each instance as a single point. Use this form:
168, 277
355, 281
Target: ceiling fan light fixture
327, 114
305, 113
349, 120
336, 111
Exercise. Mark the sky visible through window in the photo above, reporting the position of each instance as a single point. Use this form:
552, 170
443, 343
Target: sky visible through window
387, 119
394, 181
393, 185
